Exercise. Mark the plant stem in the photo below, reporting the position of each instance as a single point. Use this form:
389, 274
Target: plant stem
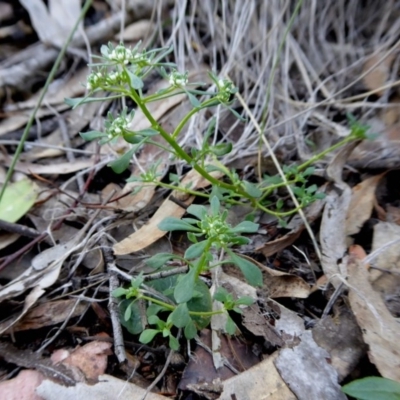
317, 157
179, 151
189, 115
172, 308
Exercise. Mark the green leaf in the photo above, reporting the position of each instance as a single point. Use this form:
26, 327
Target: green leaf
153, 320
221, 294
221, 149
245, 227
319, 196
236, 114
245, 300
148, 335
92, 135
198, 211
128, 312
134, 324
196, 250
373, 388
176, 224
215, 205
193, 100
250, 271
135, 81
180, 316
83, 100
309, 171
75, 102
190, 330
122, 163
173, 343
132, 137
119, 292
230, 326
192, 237
185, 287
252, 189
148, 132
18, 199
137, 281
201, 302
153, 310
158, 260
165, 286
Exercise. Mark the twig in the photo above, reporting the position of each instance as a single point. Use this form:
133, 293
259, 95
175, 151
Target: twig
18, 228
113, 307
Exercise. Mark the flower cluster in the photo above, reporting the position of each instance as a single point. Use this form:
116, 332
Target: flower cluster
123, 55
215, 226
226, 89
120, 54
101, 78
118, 126
177, 79
95, 80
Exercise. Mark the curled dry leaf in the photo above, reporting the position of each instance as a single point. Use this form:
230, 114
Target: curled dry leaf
333, 224
47, 314
379, 328
361, 204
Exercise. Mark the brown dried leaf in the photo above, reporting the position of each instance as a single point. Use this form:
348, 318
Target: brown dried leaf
91, 359
379, 75
361, 204
262, 381
379, 328
281, 284
47, 314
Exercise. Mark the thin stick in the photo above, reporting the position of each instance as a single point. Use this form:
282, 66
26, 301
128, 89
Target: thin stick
113, 307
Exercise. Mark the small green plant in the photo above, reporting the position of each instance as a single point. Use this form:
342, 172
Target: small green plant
187, 304
183, 301
373, 388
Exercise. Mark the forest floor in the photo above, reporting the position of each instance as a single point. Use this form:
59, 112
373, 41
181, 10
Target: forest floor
305, 157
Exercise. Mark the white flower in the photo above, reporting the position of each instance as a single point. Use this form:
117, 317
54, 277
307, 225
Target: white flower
177, 79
